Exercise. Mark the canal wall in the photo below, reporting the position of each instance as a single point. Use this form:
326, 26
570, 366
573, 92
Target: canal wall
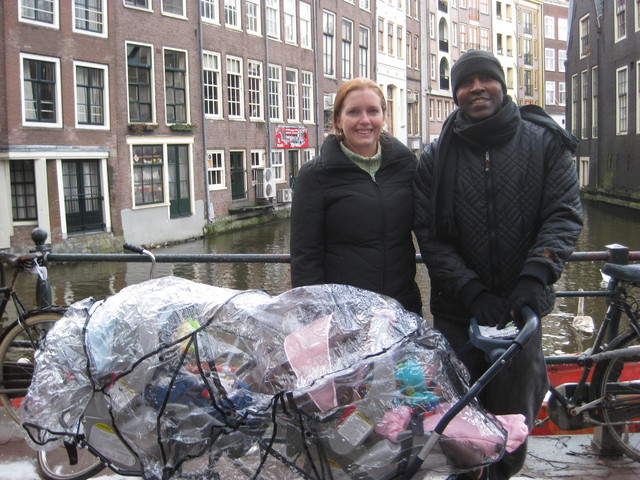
624, 198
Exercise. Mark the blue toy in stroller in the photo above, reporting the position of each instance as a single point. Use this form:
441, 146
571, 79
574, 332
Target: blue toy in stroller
174, 379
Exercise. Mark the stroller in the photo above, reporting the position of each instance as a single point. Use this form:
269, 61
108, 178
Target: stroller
174, 379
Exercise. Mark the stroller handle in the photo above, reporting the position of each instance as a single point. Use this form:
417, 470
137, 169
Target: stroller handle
494, 347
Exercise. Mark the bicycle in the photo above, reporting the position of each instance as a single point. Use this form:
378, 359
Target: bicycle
607, 394
20, 340
76, 460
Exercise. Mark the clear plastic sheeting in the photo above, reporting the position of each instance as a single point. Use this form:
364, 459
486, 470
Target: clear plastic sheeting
176, 379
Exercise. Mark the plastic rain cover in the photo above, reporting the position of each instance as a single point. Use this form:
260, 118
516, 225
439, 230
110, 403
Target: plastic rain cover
177, 379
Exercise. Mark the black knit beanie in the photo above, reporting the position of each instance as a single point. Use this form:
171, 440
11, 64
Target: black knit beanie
474, 62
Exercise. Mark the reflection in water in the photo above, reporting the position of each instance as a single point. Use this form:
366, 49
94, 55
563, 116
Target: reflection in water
604, 224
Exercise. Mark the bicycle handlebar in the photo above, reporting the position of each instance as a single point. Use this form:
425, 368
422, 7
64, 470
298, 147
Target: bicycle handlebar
142, 251
133, 248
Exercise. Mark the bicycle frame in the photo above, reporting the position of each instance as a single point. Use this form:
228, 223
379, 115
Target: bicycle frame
575, 411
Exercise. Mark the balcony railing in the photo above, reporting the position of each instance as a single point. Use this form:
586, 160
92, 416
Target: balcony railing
443, 45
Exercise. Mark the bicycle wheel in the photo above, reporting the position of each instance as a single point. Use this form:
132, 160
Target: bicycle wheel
17, 349
617, 382
54, 464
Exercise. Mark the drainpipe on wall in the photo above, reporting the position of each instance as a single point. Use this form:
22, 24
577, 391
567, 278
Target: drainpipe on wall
316, 66
208, 205
267, 112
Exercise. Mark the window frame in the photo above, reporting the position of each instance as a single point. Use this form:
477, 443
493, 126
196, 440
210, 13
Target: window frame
622, 121
253, 22
105, 125
152, 83
238, 114
182, 15
57, 94
328, 44
55, 15
290, 22
209, 11
364, 42
347, 48
274, 93
185, 89
160, 166
255, 96
30, 198
307, 95
212, 168
232, 7
272, 20
103, 33
305, 25
210, 70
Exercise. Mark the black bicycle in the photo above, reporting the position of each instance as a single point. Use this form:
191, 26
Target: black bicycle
607, 394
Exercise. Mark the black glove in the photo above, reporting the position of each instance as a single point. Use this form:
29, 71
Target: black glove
488, 308
527, 293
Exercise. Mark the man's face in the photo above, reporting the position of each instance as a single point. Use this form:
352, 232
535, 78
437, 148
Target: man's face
479, 96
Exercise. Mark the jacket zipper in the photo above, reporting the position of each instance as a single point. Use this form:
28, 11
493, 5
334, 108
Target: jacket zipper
491, 220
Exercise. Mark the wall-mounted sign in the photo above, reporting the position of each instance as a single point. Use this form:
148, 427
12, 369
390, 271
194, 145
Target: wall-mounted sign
291, 136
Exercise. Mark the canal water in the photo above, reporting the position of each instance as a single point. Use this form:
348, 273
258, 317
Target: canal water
604, 225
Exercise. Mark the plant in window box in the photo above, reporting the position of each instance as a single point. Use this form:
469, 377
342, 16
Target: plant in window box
139, 127
183, 127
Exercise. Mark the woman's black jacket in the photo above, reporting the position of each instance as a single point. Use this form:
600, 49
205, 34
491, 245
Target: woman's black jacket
347, 228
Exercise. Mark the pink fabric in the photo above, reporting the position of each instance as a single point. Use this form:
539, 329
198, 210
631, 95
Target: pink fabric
307, 350
395, 421
516, 428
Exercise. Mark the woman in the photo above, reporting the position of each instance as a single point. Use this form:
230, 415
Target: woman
352, 211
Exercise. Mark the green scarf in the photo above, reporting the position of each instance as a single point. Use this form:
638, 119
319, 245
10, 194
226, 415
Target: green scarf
368, 164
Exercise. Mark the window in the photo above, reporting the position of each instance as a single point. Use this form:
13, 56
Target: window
347, 34
584, 106
550, 93
290, 27
413, 119
484, 39
562, 60
399, 42
562, 29
23, 190
562, 93
432, 66
528, 82
173, 7
550, 28
274, 87
307, 97
526, 22
454, 34
621, 100
89, 16
273, 18
365, 5
432, 25
292, 94
175, 78
41, 90
416, 51
328, 43
484, 6
43, 12
380, 35
148, 182
594, 102
621, 21
83, 198
209, 11
253, 17
257, 163
277, 163
305, 25
584, 36
549, 59
254, 75
363, 52
234, 87
232, 14
91, 96
212, 87
139, 82
463, 37
390, 44
137, 3
575, 96
215, 170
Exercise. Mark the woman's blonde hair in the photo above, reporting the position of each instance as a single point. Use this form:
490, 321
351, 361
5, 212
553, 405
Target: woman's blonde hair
345, 89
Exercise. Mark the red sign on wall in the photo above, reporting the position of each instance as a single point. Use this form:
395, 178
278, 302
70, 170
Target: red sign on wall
290, 136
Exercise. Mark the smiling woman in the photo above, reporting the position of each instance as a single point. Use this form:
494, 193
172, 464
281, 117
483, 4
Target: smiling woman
352, 211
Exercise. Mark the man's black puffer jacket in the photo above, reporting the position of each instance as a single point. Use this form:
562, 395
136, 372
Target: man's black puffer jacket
517, 209
347, 228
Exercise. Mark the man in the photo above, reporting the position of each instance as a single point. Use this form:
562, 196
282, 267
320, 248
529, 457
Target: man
498, 213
